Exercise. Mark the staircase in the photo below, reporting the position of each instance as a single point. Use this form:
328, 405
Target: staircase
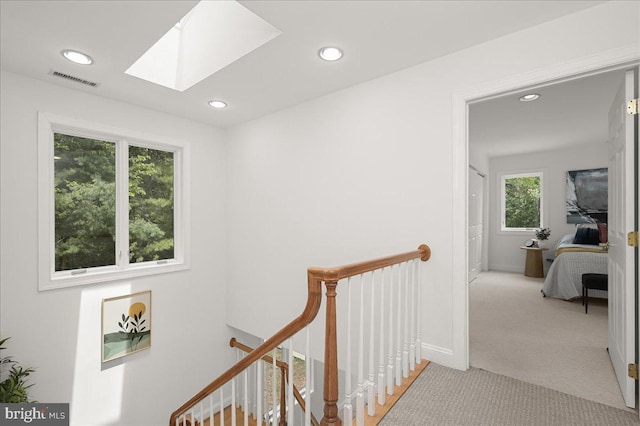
383, 319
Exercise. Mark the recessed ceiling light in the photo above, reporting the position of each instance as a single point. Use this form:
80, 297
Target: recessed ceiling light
77, 57
330, 53
530, 97
218, 104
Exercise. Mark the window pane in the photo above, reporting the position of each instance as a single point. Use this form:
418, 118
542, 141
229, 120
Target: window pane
522, 202
85, 212
151, 235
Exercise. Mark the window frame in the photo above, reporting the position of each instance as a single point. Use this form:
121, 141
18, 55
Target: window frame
501, 188
48, 278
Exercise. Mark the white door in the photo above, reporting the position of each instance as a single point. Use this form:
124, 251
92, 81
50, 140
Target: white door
621, 256
476, 207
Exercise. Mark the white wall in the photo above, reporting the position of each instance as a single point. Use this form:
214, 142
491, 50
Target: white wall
369, 171
504, 251
58, 331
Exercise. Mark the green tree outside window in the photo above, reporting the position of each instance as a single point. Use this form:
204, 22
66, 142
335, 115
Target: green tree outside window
85, 203
522, 202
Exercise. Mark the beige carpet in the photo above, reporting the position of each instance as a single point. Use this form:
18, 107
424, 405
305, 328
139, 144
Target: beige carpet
516, 332
442, 396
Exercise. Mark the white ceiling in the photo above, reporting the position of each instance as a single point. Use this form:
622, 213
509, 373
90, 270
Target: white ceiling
378, 37
566, 114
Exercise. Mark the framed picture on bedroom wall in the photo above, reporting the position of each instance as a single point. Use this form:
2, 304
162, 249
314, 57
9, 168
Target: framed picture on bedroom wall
587, 193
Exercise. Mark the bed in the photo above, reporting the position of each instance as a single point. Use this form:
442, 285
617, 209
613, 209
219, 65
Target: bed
564, 279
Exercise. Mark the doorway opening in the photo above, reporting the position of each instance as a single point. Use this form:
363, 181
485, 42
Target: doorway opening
504, 261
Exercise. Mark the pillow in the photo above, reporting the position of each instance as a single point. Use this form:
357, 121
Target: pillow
604, 234
567, 239
587, 236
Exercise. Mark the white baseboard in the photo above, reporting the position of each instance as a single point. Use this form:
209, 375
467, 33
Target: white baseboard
442, 356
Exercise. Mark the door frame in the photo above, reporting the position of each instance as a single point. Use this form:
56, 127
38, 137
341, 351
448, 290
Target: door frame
461, 99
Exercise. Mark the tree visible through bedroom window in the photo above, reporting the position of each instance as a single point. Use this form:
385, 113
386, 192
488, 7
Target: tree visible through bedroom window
521, 202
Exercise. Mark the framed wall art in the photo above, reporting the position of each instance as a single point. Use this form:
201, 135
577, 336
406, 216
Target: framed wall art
126, 325
587, 192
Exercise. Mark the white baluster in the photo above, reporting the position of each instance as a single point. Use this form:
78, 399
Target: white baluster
274, 397
211, 409
201, 412
192, 416
347, 407
259, 391
390, 385
381, 392
307, 380
290, 402
399, 334
245, 396
412, 323
371, 390
221, 406
360, 391
405, 352
233, 401
419, 319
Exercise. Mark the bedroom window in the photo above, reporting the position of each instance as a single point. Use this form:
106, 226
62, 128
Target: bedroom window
111, 204
521, 202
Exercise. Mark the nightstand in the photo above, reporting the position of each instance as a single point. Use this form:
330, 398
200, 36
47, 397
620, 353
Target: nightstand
533, 266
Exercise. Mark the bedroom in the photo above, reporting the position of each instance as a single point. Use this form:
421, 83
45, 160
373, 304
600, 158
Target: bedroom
564, 130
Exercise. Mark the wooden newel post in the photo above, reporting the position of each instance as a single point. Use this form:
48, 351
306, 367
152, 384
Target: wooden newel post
331, 360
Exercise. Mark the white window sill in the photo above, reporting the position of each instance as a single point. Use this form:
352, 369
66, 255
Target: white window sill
107, 274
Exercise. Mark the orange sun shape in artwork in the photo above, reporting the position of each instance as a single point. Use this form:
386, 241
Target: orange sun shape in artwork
137, 308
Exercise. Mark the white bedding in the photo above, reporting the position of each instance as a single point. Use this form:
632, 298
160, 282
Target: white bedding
564, 279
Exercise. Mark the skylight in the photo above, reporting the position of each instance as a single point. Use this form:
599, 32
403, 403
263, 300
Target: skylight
208, 38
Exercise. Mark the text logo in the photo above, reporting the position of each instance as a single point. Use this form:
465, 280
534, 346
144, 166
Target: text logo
35, 414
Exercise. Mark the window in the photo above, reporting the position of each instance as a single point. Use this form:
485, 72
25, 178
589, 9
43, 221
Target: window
521, 202
111, 204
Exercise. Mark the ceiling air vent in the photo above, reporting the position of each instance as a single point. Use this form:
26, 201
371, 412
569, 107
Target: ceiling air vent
73, 78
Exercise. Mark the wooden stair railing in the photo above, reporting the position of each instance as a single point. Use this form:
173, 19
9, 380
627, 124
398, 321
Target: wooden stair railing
314, 299
315, 278
284, 374
331, 276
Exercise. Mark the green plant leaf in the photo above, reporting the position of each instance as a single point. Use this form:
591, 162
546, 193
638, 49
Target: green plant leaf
13, 389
